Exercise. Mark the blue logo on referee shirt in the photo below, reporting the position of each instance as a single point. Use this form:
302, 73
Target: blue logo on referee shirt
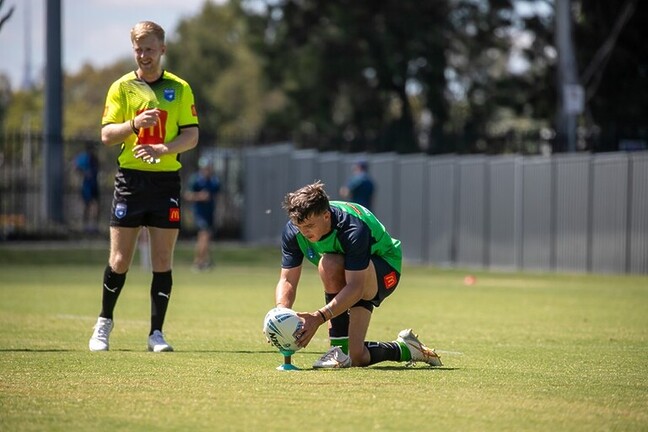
169, 94
120, 210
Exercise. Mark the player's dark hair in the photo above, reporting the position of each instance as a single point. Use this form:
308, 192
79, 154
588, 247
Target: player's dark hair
306, 201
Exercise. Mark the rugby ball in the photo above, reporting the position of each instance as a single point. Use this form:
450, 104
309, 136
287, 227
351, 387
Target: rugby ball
280, 328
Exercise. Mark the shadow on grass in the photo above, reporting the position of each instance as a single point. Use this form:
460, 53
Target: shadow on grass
43, 350
374, 367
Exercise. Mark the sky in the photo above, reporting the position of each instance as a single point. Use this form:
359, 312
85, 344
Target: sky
94, 31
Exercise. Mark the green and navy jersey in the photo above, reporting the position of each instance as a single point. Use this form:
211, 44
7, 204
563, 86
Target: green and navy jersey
129, 96
356, 233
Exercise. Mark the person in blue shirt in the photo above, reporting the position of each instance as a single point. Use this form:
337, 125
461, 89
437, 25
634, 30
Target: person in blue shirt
86, 164
204, 185
360, 187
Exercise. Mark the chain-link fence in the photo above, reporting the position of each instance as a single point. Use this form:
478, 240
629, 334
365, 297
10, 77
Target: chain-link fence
22, 183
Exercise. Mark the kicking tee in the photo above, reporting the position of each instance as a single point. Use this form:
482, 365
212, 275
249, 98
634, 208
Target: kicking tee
129, 96
356, 233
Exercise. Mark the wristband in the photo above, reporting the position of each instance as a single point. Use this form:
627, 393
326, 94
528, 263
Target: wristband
328, 308
133, 128
322, 315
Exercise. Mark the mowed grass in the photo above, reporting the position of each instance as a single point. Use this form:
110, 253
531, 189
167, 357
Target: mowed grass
520, 351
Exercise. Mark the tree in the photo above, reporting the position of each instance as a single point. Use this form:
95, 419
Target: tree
617, 82
348, 67
7, 16
404, 75
85, 97
211, 52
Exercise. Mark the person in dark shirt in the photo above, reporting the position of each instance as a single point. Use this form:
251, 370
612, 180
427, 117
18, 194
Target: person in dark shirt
360, 187
86, 164
203, 188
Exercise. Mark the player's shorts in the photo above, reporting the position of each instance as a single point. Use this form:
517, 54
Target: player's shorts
387, 279
144, 198
89, 191
204, 220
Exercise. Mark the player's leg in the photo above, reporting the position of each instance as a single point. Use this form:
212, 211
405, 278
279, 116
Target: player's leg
349, 327
359, 319
331, 271
406, 347
122, 247
163, 242
203, 258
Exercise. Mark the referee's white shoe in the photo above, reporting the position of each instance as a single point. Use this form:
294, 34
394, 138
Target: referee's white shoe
101, 334
156, 342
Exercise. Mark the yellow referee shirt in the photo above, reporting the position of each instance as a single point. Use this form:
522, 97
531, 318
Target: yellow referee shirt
129, 96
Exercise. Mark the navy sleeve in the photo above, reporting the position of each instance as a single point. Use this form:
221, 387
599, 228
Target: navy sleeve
291, 254
356, 242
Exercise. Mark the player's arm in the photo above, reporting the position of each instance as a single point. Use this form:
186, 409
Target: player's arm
186, 140
286, 290
349, 295
115, 133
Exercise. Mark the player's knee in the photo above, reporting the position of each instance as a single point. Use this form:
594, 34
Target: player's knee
331, 271
119, 264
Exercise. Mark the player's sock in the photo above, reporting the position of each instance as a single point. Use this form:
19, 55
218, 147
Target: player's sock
405, 354
383, 351
339, 329
160, 295
342, 342
112, 286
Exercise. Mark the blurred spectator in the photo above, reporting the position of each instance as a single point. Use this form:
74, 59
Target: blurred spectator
204, 185
360, 187
86, 164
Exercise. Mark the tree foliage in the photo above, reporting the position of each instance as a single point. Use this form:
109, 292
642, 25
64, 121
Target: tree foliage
617, 87
441, 76
403, 75
211, 52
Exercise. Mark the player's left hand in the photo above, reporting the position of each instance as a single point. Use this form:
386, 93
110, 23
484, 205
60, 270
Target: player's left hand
148, 152
312, 321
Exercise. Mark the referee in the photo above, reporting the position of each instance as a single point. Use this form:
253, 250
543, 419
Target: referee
150, 114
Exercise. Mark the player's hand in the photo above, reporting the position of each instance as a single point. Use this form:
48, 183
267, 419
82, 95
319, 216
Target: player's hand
147, 118
149, 152
312, 321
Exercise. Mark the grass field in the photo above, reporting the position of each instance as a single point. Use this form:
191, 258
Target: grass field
521, 352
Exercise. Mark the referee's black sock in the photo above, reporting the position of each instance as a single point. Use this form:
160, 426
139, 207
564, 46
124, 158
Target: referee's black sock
339, 330
160, 295
112, 286
383, 351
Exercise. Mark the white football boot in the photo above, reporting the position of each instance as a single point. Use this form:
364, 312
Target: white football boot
101, 334
418, 351
156, 342
334, 358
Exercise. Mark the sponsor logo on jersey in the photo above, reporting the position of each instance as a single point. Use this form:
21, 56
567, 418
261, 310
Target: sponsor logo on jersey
193, 110
120, 210
390, 280
169, 94
174, 214
355, 209
311, 253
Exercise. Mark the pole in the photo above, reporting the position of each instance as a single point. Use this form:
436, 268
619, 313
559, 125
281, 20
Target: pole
52, 181
570, 101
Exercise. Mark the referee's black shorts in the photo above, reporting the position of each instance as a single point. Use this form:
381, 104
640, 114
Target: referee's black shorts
144, 198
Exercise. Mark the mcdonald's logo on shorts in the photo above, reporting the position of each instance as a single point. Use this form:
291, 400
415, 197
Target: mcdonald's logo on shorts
174, 214
390, 280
